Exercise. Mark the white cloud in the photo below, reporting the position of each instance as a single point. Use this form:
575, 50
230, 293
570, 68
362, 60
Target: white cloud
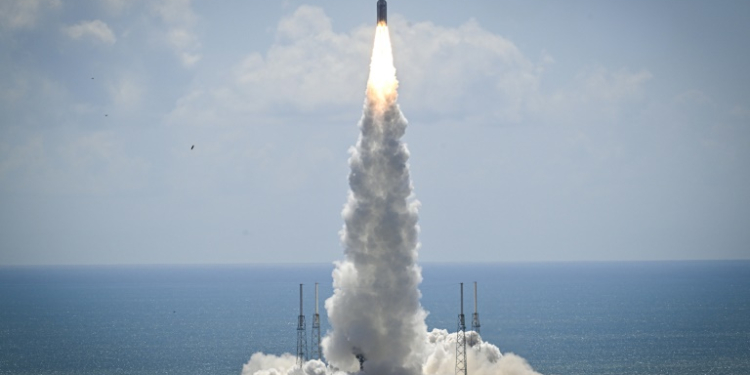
180, 20
463, 73
189, 59
311, 68
180, 38
23, 14
175, 12
126, 92
95, 30
463, 69
308, 67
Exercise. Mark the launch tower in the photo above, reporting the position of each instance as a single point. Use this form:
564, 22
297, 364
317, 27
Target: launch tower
475, 318
461, 339
301, 334
316, 354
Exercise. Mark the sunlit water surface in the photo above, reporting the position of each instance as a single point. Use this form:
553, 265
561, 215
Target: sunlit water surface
564, 318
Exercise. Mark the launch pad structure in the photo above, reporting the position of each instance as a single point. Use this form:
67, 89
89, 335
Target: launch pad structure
301, 334
316, 351
461, 339
475, 318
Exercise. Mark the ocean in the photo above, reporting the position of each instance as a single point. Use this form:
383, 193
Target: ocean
563, 318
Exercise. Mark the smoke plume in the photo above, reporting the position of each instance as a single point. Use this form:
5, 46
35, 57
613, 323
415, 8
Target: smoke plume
375, 312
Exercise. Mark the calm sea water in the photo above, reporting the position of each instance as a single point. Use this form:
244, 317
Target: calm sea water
564, 318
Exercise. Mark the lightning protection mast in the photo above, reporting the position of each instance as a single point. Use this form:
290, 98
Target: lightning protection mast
475, 318
461, 339
301, 334
316, 354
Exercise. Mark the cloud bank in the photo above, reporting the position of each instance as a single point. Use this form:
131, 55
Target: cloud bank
95, 30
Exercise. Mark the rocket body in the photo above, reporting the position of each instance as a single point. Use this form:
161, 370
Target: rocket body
382, 11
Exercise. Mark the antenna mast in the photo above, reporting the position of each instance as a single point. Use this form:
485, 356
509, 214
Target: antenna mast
316, 354
461, 339
475, 318
301, 334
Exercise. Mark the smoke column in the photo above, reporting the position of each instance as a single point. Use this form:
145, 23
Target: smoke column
375, 310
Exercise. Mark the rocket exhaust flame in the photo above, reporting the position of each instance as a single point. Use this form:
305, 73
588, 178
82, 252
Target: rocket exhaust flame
382, 82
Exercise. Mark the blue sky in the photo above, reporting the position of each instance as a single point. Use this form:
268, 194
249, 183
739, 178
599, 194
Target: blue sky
539, 131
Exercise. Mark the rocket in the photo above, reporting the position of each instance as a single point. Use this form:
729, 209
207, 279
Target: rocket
382, 11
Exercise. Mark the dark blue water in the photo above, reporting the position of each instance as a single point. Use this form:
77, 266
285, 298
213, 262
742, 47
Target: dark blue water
579, 318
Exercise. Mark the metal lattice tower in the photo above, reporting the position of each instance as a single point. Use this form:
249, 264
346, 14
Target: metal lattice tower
461, 339
301, 334
316, 353
475, 318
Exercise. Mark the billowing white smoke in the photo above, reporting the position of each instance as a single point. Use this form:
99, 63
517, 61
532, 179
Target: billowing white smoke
482, 358
375, 311
439, 359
